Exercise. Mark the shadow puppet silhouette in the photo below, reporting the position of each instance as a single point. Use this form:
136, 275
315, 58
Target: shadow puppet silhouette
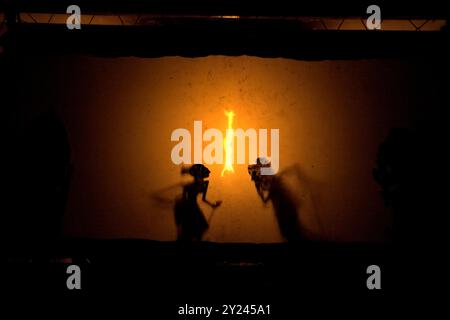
189, 219
410, 171
43, 170
285, 204
403, 171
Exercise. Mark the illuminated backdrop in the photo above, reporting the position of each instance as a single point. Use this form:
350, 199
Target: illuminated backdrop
120, 113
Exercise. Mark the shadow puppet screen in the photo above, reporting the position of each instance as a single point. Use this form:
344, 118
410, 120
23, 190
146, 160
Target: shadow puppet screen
117, 115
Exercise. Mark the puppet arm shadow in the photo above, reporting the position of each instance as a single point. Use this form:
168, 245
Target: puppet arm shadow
160, 196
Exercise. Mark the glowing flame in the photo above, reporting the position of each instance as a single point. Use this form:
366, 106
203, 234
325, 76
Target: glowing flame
228, 144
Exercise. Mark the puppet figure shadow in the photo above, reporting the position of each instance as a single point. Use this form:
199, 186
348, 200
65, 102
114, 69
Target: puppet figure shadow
189, 219
286, 201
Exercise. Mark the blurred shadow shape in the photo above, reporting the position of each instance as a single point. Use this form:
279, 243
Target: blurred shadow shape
402, 171
285, 204
43, 172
